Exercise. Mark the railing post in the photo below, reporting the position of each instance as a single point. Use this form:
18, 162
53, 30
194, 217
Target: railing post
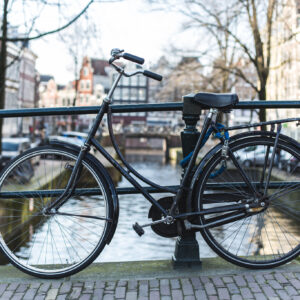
187, 248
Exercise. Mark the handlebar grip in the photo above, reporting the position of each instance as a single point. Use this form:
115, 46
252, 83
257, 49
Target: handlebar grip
133, 58
153, 75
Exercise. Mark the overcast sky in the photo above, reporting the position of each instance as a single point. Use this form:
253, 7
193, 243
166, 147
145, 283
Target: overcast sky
131, 25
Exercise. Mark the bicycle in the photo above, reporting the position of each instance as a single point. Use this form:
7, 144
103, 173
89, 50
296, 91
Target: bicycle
59, 222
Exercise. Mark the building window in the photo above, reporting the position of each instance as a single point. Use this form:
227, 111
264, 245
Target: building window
87, 98
85, 71
82, 84
81, 99
88, 84
69, 102
64, 102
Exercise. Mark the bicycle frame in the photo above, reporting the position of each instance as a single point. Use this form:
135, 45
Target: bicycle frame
185, 185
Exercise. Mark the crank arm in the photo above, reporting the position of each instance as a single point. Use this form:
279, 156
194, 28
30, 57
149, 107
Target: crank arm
81, 216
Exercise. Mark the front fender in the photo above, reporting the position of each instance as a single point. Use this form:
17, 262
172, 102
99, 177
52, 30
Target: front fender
98, 165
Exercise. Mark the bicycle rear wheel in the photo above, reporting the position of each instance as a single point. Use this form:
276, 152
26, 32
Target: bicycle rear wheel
270, 235
61, 244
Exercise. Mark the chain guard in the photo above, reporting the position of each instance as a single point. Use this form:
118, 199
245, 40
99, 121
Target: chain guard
162, 229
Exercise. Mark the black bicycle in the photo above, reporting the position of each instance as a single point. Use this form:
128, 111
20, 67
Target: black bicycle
243, 196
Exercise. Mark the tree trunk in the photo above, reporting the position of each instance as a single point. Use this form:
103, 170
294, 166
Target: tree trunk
3, 54
262, 112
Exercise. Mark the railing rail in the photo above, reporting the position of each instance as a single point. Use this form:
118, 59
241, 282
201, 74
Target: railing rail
128, 108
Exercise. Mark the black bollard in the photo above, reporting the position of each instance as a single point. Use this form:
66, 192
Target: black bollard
187, 248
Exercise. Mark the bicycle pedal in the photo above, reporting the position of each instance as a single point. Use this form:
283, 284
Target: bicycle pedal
138, 229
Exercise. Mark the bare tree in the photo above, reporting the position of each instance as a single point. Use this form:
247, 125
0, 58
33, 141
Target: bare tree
248, 32
25, 16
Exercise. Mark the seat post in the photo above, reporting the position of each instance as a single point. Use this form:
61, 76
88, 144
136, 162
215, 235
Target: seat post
187, 249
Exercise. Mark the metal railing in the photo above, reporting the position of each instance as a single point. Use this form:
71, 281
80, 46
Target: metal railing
151, 107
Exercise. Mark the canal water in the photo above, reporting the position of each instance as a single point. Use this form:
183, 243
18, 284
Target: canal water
126, 245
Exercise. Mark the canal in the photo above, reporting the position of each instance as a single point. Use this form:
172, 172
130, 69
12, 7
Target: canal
126, 244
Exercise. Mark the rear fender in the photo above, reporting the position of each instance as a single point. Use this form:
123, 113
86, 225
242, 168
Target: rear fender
217, 148
108, 181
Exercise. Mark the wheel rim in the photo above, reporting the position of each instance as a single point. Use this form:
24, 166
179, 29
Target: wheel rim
51, 244
268, 238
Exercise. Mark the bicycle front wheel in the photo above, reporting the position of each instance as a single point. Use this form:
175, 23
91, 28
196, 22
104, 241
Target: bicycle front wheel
270, 234
61, 244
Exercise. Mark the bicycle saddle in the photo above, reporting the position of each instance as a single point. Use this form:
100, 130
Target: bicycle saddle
212, 100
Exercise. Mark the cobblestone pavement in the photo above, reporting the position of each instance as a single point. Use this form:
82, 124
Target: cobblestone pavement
251, 285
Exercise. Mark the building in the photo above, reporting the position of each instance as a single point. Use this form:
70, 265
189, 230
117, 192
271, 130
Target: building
284, 77
20, 89
131, 90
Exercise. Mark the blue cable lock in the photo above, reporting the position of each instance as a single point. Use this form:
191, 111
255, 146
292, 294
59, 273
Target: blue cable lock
184, 162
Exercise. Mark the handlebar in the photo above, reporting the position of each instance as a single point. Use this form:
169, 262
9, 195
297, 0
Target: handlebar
116, 53
152, 75
133, 58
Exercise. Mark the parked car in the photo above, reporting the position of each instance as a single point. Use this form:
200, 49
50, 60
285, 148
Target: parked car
11, 147
75, 134
253, 156
288, 162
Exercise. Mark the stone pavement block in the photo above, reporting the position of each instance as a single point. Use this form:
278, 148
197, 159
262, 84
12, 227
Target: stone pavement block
120, 292
12, 287
175, 284
122, 283
196, 283
275, 284
130, 295
22, 288
218, 282
283, 294
3, 288
240, 281
154, 295
44, 287
295, 283
210, 289
154, 284
6, 295
65, 287
164, 287
227, 279
223, 293
51, 294
187, 287
99, 284
246, 293
30, 293
132, 284
233, 289
177, 294
280, 278
98, 294
87, 297
17, 296
76, 292
260, 296
255, 287
42, 297
291, 290
61, 297
200, 294
269, 292
108, 297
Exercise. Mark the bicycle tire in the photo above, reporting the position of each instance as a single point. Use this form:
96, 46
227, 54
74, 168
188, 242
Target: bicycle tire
53, 246
249, 247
